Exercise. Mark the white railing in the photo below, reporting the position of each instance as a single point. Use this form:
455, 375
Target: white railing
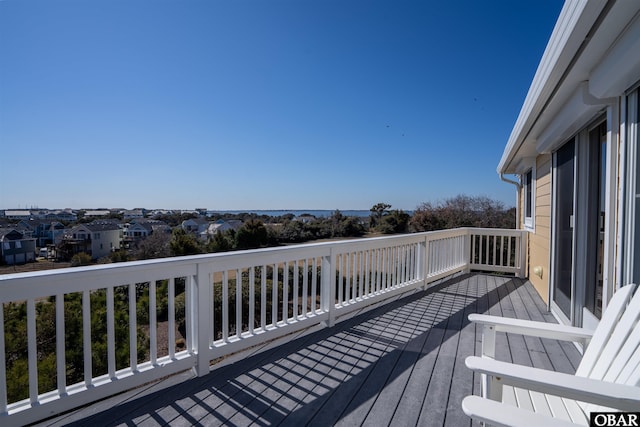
91, 332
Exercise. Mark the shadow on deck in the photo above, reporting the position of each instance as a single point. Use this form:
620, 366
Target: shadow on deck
398, 364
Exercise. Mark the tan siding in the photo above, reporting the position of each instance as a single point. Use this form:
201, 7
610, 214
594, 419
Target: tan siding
544, 182
543, 205
543, 221
540, 240
543, 189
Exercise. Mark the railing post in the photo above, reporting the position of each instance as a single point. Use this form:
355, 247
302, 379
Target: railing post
425, 261
420, 268
522, 254
467, 250
201, 320
329, 286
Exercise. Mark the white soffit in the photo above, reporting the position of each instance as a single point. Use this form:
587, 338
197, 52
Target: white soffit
620, 68
575, 114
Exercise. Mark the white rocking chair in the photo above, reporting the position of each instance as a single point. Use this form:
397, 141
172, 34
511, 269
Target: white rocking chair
607, 379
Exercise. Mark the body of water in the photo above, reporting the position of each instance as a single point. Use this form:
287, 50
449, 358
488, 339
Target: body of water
297, 212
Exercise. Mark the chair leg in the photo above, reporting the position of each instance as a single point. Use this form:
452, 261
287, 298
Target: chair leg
489, 341
494, 389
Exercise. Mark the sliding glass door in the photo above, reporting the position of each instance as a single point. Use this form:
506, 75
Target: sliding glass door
562, 279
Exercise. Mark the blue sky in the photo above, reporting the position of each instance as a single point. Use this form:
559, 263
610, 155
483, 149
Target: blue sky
281, 104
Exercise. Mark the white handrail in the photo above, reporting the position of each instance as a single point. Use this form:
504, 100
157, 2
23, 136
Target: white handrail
231, 301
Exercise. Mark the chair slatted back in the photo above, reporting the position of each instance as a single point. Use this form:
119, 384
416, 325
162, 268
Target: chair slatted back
598, 347
614, 352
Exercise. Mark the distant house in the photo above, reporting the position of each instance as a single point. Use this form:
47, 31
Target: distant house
138, 230
133, 214
17, 214
54, 215
220, 226
97, 213
23, 228
195, 225
151, 225
159, 212
44, 231
98, 239
142, 228
15, 248
229, 224
61, 215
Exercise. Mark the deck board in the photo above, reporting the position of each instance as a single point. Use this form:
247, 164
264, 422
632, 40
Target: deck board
397, 364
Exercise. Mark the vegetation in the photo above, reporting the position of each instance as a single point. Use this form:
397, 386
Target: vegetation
251, 235
462, 211
157, 245
15, 315
377, 212
184, 243
254, 233
175, 219
80, 259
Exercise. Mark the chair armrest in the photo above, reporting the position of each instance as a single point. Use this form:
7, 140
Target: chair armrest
533, 328
500, 414
619, 396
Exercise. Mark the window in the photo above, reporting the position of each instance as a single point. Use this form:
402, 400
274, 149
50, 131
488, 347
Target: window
96, 236
528, 194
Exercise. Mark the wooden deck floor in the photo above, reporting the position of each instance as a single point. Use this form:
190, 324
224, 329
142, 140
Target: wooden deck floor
401, 364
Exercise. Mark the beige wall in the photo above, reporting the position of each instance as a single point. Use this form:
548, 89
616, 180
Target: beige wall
540, 239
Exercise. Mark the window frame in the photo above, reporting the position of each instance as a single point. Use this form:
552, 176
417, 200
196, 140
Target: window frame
528, 199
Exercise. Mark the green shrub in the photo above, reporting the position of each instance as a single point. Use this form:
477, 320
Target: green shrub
80, 259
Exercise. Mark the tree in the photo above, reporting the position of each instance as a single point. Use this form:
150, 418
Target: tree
121, 255
462, 211
155, 245
396, 221
334, 220
183, 243
293, 232
221, 242
251, 235
426, 218
350, 227
377, 212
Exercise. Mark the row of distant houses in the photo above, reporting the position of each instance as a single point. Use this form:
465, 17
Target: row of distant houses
43, 214
69, 215
20, 242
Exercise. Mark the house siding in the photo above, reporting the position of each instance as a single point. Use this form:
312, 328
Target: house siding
540, 238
